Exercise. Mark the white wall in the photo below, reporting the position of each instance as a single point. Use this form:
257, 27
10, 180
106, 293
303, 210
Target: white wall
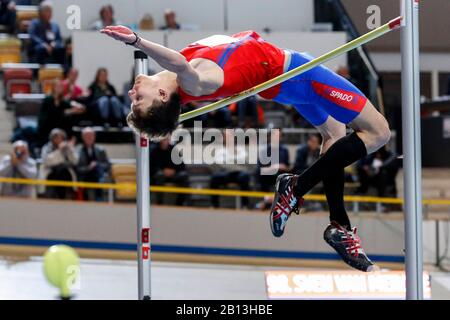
125, 11
130, 12
92, 50
429, 62
279, 15
205, 14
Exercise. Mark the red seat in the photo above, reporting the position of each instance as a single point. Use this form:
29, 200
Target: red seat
17, 81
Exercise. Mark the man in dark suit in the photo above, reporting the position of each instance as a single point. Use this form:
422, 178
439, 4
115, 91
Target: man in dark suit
163, 171
8, 15
93, 163
264, 172
308, 153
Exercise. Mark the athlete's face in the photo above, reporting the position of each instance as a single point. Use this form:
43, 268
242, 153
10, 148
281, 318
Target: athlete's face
145, 93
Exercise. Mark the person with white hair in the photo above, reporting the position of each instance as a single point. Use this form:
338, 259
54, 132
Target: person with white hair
18, 164
59, 159
46, 42
170, 21
93, 163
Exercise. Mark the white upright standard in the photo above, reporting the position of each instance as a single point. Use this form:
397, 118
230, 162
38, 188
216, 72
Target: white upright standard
143, 198
412, 163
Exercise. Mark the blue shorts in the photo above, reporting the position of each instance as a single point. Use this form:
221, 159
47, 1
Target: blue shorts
320, 93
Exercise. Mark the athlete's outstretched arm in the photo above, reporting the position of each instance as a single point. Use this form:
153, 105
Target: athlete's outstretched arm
169, 59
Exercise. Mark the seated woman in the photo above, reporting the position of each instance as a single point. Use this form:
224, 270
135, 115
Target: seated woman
103, 96
72, 91
57, 111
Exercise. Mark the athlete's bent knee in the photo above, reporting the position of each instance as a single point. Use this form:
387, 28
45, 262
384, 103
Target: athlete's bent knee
383, 135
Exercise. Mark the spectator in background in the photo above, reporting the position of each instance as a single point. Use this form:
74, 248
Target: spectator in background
147, 22
72, 91
93, 164
265, 174
46, 43
59, 159
8, 15
297, 119
308, 153
344, 72
379, 170
170, 20
106, 18
201, 119
220, 118
247, 110
163, 170
20, 165
229, 167
56, 111
103, 96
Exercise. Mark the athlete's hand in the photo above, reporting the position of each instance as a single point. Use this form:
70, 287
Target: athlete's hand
120, 33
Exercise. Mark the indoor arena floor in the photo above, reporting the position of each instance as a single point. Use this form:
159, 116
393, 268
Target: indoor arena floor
116, 279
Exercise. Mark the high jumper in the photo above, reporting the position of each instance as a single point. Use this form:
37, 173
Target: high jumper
223, 66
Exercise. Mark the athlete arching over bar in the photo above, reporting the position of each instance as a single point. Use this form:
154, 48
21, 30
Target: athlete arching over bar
220, 66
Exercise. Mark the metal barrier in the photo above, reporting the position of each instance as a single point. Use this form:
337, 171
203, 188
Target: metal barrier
356, 200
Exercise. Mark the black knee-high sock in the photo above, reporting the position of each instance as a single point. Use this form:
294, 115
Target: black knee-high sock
334, 191
341, 154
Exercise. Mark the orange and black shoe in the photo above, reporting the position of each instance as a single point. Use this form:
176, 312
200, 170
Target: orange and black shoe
284, 203
348, 245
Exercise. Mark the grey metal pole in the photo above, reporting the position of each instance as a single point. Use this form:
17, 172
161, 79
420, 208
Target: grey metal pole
412, 149
225, 15
143, 198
